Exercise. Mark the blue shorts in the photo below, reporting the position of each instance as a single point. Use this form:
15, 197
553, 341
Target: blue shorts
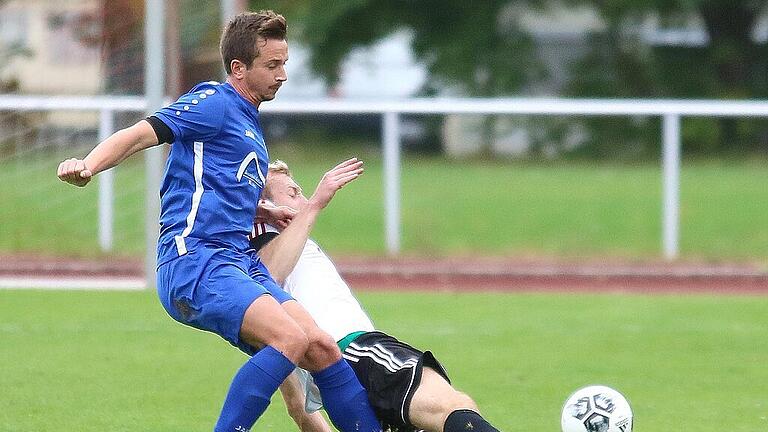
211, 287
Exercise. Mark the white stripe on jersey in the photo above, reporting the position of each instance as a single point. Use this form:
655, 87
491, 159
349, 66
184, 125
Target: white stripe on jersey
196, 197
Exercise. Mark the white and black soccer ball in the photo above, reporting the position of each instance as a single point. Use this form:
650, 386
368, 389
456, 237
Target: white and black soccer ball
596, 409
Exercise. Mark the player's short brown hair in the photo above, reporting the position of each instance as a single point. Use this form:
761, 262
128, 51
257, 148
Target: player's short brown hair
238, 41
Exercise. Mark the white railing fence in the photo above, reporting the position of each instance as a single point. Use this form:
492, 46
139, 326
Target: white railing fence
670, 111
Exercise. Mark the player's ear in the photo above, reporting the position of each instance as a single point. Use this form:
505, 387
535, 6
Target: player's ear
238, 68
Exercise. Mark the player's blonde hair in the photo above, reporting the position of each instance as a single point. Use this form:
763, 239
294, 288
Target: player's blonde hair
276, 167
280, 167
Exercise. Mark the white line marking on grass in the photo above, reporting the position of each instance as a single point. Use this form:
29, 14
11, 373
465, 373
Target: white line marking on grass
94, 283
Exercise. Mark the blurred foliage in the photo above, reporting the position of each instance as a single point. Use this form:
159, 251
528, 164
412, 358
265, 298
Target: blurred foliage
480, 49
19, 122
730, 65
473, 46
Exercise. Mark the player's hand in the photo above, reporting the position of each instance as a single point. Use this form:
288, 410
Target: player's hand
75, 172
277, 216
335, 179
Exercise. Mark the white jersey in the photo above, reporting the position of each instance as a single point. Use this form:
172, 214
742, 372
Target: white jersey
317, 285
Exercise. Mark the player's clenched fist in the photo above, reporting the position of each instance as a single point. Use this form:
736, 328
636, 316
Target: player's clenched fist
75, 172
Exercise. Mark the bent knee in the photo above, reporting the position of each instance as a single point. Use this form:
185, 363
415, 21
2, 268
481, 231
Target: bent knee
322, 351
435, 399
293, 344
459, 400
451, 401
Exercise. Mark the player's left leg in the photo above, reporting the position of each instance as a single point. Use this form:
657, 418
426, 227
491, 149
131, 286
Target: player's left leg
438, 407
322, 351
344, 398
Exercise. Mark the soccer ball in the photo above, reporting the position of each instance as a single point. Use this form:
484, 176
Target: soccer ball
596, 409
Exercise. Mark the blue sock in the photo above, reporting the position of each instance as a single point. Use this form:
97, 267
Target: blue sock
251, 390
345, 400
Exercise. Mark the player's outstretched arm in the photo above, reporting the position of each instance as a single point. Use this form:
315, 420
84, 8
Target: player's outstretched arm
108, 153
281, 254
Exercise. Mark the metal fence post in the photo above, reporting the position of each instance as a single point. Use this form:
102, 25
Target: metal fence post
106, 186
391, 140
154, 91
671, 168
228, 9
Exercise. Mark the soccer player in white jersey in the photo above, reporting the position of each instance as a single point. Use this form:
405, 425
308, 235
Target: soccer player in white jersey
207, 276
408, 388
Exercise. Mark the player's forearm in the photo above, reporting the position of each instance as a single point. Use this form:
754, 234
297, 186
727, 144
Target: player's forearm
120, 145
314, 423
294, 397
282, 253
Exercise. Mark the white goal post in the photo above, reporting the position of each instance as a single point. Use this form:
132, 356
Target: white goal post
671, 112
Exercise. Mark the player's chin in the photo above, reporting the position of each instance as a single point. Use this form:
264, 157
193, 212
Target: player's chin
271, 93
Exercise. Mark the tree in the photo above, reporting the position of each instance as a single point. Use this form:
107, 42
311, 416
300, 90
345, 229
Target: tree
730, 64
473, 46
480, 49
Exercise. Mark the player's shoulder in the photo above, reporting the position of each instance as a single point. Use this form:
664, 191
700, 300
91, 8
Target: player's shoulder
205, 93
208, 87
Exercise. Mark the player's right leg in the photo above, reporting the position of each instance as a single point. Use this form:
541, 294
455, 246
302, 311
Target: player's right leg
438, 407
208, 288
265, 324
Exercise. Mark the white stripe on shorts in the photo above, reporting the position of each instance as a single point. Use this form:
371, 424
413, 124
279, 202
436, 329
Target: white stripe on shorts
380, 355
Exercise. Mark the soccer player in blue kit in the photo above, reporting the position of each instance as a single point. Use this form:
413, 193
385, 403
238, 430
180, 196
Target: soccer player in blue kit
208, 278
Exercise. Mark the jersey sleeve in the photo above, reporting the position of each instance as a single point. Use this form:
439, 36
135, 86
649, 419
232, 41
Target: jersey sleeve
261, 235
197, 115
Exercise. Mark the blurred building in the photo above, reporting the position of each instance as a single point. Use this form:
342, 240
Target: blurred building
562, 36
51, 47
88, 47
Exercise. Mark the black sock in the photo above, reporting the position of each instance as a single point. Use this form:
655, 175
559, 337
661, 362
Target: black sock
465, 420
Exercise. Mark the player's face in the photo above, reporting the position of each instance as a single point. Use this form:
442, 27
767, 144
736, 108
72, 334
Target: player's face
284, 191
267, 72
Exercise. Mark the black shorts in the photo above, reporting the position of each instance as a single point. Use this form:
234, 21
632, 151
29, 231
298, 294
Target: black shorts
390, 371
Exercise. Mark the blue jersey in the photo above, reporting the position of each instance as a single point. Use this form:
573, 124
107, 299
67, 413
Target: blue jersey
215, 170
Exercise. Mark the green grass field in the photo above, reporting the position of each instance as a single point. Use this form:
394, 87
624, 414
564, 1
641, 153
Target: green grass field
95, 361
564, 209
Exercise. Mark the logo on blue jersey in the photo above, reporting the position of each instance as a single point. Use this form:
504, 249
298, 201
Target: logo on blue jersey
252, 179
